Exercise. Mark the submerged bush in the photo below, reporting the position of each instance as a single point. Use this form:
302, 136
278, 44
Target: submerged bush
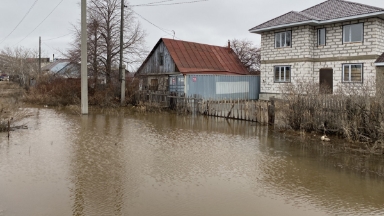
354, 110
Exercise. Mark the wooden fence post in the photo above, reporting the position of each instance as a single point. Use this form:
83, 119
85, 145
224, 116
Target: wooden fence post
271, 112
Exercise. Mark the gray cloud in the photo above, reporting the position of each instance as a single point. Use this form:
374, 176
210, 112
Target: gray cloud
212, 22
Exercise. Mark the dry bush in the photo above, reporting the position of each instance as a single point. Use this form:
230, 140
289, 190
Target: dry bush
10, 110
64, 92
354, 111
57, 92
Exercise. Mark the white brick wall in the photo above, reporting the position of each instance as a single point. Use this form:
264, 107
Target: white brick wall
304, 45
308, 71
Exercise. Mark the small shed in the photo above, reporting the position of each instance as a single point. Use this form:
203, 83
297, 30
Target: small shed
178, 59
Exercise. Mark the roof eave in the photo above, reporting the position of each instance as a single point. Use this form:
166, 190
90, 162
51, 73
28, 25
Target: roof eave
376, 14
316, 22
379, 64
258, 31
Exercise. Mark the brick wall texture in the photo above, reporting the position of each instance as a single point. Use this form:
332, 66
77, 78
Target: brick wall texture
306, 58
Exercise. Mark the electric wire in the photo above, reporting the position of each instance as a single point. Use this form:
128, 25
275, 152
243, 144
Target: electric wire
26, 14
158, 2
57, 37
162, 29
175, 3
40, 22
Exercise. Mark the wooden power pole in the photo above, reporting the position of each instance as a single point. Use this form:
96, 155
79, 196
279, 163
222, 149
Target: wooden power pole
84, 60
121, 67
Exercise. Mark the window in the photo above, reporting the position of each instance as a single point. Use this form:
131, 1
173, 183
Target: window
282, 73
353, 33
321, 37
161, 59
154, 85
352, 72
283, 39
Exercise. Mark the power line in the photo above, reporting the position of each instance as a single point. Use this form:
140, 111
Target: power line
29, 10
153, 4
158, 2
57, 37
41, 22
162, 29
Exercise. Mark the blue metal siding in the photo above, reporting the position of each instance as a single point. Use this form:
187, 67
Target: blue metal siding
219, 87
176, 83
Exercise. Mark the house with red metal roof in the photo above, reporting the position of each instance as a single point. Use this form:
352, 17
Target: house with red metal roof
175, 57
335, 43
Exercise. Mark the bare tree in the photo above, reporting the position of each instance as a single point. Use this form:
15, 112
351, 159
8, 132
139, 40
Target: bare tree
248, 53
103, 38
20, 62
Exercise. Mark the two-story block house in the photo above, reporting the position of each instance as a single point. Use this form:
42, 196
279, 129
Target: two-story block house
333, 43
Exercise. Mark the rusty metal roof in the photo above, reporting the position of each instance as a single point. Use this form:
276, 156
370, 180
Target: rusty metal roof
191, 57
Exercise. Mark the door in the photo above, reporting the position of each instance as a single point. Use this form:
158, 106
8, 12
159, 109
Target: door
326, 81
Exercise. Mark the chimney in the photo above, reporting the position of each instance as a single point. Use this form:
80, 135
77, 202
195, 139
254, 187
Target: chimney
229, 46
53, 58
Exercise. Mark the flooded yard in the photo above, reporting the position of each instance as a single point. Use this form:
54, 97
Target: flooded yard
164, 165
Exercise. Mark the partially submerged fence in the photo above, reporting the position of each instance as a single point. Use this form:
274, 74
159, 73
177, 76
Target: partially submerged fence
250, 110
355, 117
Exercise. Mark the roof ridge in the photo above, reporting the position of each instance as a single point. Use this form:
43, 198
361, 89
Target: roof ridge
316, 5
309, 15
278, 18
357, 3
194, 42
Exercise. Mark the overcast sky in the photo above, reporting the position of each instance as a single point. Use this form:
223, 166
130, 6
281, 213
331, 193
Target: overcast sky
211, 22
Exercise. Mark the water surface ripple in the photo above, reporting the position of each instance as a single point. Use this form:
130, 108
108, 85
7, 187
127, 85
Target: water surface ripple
165, 165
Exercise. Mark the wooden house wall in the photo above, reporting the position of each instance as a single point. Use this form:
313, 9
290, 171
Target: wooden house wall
152, 66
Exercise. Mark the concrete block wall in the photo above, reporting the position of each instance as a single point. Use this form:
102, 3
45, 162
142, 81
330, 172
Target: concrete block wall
306, 54
380, 36
301, 44
300, 71
369, 71
309, 71
373, 40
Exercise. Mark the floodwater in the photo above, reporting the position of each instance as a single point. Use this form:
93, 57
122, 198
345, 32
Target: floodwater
165, 165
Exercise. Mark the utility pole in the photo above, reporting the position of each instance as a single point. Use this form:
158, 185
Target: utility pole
39, 56
121, 67
84, 60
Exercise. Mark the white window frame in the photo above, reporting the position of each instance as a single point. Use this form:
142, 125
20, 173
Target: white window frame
319, 35
282, 71
350, 74
279, 34
349, 33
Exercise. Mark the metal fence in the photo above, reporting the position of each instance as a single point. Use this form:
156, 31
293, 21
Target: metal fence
217, 87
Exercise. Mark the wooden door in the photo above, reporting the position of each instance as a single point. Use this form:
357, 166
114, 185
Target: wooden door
326, 81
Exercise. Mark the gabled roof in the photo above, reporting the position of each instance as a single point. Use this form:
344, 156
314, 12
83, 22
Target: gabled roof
322, 13
191, 57
56, 66
63, 67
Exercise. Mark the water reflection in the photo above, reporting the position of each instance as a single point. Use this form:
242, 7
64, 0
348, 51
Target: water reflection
97, 167
151, 164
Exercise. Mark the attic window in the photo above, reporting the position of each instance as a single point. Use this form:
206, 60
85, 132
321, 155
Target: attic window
161, 59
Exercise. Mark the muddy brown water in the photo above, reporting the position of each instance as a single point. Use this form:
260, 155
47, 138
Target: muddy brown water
164, 165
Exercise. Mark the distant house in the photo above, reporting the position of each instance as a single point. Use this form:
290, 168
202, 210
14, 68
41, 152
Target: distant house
334, 43
170, 58
63, 68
